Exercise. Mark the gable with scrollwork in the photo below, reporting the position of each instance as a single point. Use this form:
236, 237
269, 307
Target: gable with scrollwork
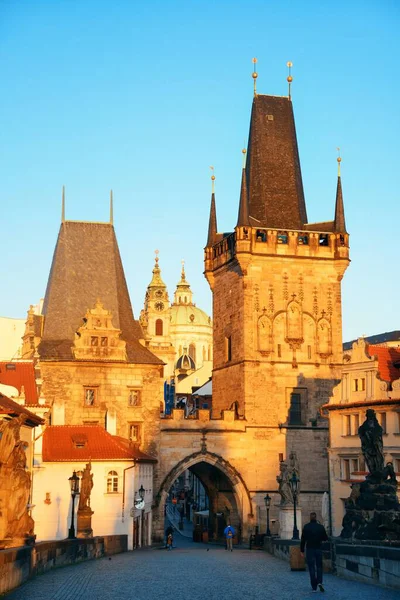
97, 338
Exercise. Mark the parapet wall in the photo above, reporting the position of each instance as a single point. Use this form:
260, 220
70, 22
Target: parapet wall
202, 419
379, 565
17, 565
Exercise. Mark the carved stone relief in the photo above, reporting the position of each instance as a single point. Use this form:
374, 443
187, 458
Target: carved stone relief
98, 338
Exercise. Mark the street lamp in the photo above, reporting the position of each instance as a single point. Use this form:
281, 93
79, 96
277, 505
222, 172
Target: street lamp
74, 485
267, 501
139, 505
294, 486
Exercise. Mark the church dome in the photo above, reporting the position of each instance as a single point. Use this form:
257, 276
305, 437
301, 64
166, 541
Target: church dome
188, 314
186, 363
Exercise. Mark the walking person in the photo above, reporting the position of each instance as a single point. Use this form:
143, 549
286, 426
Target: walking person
311, 539
229, 534
170, 541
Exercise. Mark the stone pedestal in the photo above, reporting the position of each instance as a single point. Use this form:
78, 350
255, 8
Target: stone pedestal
84, 523
286, 521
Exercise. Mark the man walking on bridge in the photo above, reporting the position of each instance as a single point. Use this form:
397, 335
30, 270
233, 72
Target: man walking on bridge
312, 537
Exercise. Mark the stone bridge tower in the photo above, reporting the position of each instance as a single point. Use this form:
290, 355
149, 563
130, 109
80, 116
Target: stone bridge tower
276, 283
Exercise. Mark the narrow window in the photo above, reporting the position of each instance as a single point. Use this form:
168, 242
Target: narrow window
261, 235
355, 385
345, 469
295, 409
381, 416
279, 351
159, 327
363, 384
309, 351
94, 340
356, 423
323, 239
228, 348
90, 396
354, 465
104, 341
192, 351
112, 482
346, 425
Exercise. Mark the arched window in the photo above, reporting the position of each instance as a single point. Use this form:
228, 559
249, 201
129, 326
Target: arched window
192, 351
159, 327
112, 482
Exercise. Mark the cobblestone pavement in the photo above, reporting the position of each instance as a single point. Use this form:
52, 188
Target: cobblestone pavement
189, 572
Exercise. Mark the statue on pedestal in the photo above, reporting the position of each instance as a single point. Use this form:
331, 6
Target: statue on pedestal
84, 517
373, 509
284, 489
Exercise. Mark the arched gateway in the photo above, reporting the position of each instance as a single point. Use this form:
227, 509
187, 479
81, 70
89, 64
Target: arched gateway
228, 495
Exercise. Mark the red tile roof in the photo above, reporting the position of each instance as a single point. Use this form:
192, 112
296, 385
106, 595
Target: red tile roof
387, 357
9, 407
87, 442
20, 374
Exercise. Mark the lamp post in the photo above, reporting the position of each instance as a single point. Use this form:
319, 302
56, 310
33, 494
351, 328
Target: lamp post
139, 504
74, 484
267, 501
294, 486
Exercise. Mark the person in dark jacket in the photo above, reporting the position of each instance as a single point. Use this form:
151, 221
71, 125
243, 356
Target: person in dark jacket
311, 539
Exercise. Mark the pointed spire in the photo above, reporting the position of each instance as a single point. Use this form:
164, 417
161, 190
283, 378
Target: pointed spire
289, 78
156, 280
340, 223
111, 208
183, 294
212, 225
243, 216
63, 205
255, 75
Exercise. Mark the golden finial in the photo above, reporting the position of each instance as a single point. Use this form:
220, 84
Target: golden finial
212, 180
183, 270
255, 75
156, 252
244, 151
339, 160
289, 77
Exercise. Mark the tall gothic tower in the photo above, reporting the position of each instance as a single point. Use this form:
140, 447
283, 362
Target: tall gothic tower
276, 283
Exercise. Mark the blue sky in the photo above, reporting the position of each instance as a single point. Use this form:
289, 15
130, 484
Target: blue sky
142, 97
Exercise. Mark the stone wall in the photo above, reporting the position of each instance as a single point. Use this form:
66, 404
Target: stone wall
17, 565
379, 565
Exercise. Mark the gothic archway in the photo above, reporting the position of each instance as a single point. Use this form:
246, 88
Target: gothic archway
227, 492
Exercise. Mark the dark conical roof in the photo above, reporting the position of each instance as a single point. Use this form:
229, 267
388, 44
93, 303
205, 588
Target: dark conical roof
87, 266
243, 216
212, 225
275, 188
340, 223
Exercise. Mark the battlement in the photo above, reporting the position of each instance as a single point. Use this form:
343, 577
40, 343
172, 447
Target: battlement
275, 242
202, 419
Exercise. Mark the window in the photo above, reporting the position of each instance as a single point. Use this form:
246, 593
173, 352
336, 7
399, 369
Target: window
355, 385
134, 432
295, 409
381, 417
282, 237
90, 396
10, 367
302, 240
228, 348
356, 423
192, 351
309, 351
94, 340
396, 465
346, 425
159, 327
104, 341
261, 235
362, 381
323, 239
134, 398
348, 466
279, 351
112, 482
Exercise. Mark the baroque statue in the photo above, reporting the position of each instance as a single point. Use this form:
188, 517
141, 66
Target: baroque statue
86, 488
370, 433
284, 489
